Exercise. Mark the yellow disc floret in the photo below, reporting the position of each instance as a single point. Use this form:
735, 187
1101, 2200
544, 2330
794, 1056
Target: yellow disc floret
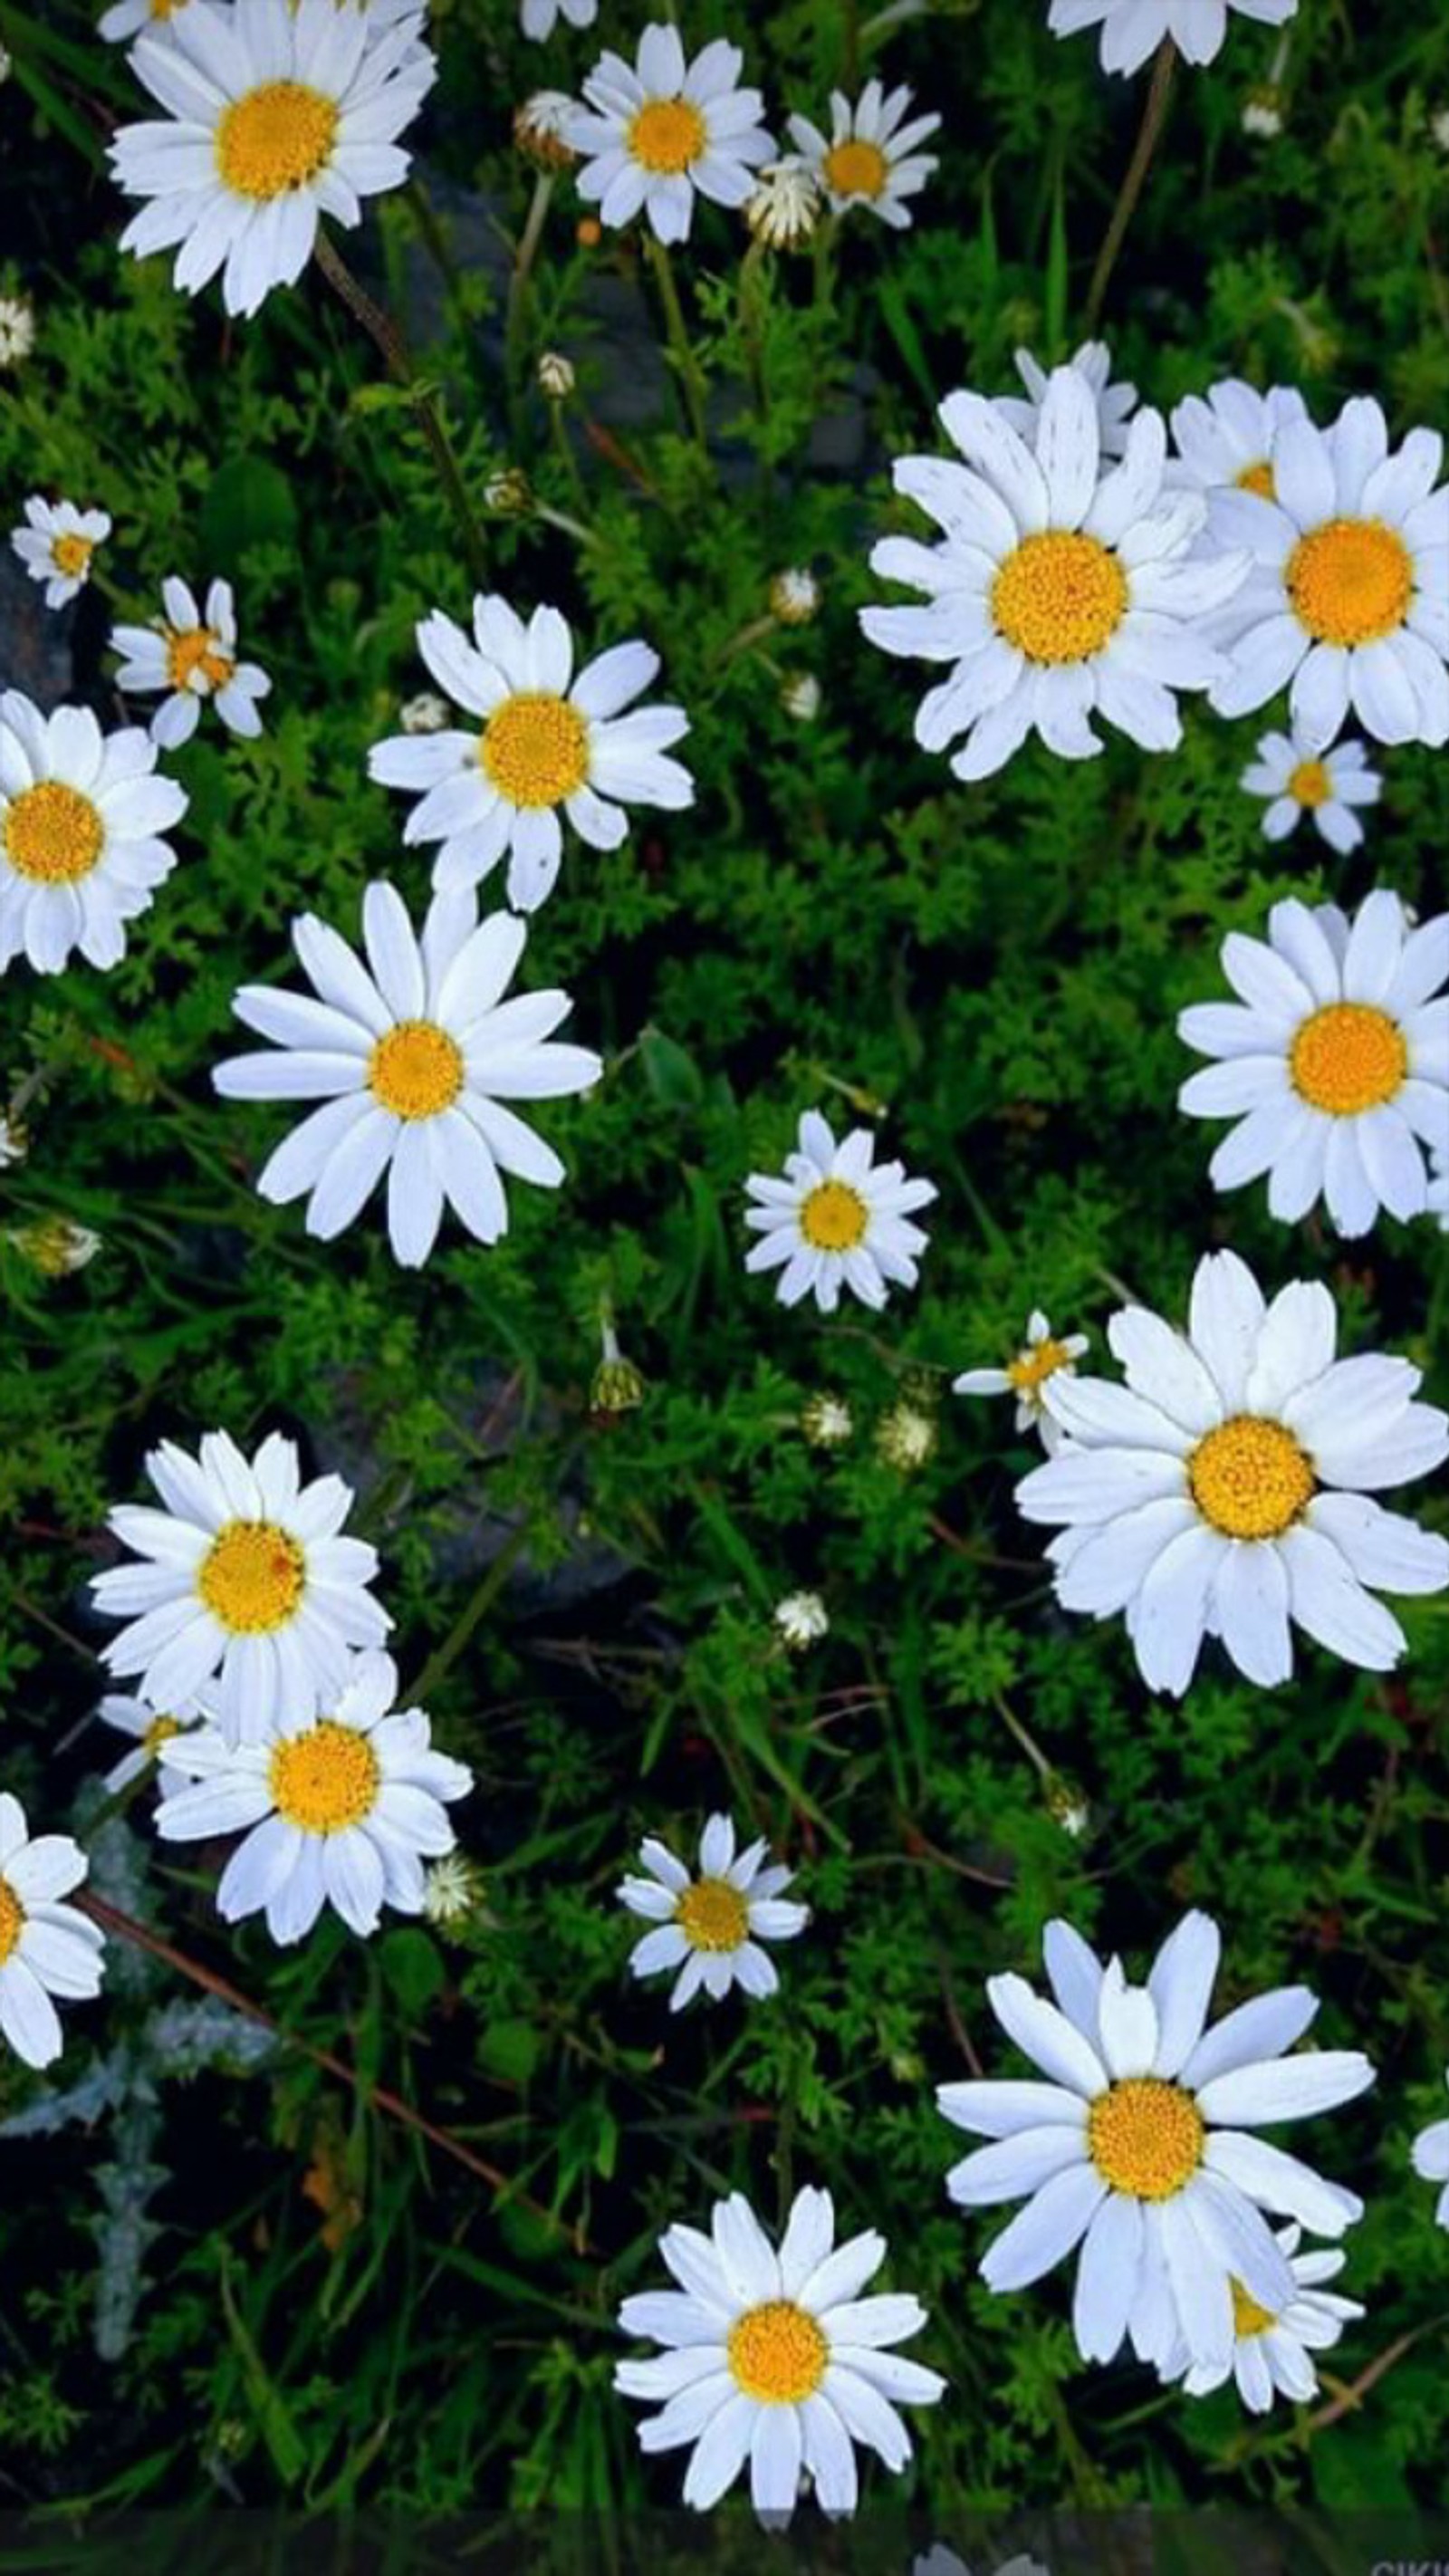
1060, 597
195, 650
325, 1780
12, 1920
1311, 784
834, 1217
1249, 1478
777, 2353
1350, 581
1259, 478
856, 169
275, 139
1348, 1058
535, 749
416, 1070
666, 135
71, 555
713, 1916
1032, 1367
1145, 2137
52, 834
252, 1577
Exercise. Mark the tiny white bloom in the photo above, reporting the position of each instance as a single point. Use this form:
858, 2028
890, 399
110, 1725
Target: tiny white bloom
783, 209
1093, 361
46, 1948
14, 1143
426, 713
538, 18
556, 377
81, 814
1431, 2159
836, 1219
451, 1891
801, 696
794, 596
1044, 1358
827, 1421
540, 128
17, 329
906, 1438
802, 1620
1132, 30
774, 2358
1262, 118
709, 1925
871, 156
1334, 1060
56, 545
148, 1728
1227, 439
190, 656
1328, 785
55, 1247
656, 132
1272, 2353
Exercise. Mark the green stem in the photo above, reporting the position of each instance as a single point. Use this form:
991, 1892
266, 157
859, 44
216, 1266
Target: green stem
691, 382
516, 318
752, 326
1154, 117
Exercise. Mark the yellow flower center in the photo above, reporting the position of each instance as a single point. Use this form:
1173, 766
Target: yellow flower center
1039, 1361
166, 8
777, 2353
1311, 784
12, 1920
1060, 597
1145, 2137
1348, 1058
1250, 1478
159, 1732
535, 749
666, 135
1350, 581
712, 1915
1261, 479
1248, 2317
196, 650
416, 1071
275, 138
71, 555
252, 1577
834, 1217
325, 1780
53, 834
856, 169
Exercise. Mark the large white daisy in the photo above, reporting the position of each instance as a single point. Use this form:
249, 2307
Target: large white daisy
274, 118
1330, 786
1227, 439
546, 742
56, 545
1030, 1376
1334, 1062
341, 1811
1431, 2159
245, 1576
775, 2358
1132, 30
1137, 2147
836, 1219
47, 1949
710, 1924
1059, 592
186, 657
1272, 2353
81, 815
872, 155
1225, 1489
653, 136
415, 1055
1093, 360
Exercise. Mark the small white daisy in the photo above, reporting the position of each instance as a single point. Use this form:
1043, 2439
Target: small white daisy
837, 1219
1132, 30
546, 740
452, 1891
1334, 1062
802, 1620
17, 330
148, 1729
652, 137
1137, 2148
46, 1948
81, 814
342, 1811
190, 657
775, 2358
1272, 2353
415, 1056
1043, 1358
1225, 1489
1093, 360
1227, 440
710, 1926
1327, 785
1059, 592
872, 155
538, 18
827, 1421
1431, 2159
274, 118
245, 1576
56, 545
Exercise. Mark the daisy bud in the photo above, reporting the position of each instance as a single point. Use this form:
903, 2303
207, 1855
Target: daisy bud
14, 1143
794, 596
802, 1620
800, 696
509, 493
425, 713
1262, 116
539, 129
555, 376
827, 1422
55, 1247
784, 211
1067, 1806
17, 330
452, 1891
906, 1438
618, 1386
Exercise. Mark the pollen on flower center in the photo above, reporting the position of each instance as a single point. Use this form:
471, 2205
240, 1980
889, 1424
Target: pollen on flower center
834, 1217
856, 169
12, 1920
1351, 581
325, 1780
1259, 478
777, 2353
1249, 1478
535, 749
1311, 784
275, 138
53, 834
1145, 2137
1349, 1057
1060, 597
252, 1577
667, 135
416, 1070
192, 652
1248, 2317
71, 555
712, 1915
1035, 1365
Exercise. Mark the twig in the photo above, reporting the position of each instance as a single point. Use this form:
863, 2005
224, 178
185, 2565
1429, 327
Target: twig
1154, 116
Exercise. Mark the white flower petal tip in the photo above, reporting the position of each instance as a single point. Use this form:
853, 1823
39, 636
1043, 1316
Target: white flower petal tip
654, 135
1431, 2162
1115, 402
82, 815
709, 1924
1132, 30
836, 1220
871, 158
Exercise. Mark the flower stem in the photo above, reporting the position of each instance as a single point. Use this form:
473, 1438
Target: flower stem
518, 280
691, 382
1154, 117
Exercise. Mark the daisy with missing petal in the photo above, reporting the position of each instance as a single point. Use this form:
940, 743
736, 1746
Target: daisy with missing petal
47, 1949
1227, 439
1030, 1376
538, 18
148, 1729
1059, 592
837, 1219
775, 2358
1335, 1061
1272, 2353
652, 137
190, 657
274, 118
131, 18
1137, 2147
1132, 30
1328, 785
1093, 361
710, 1926
1431, 2159
1225, 1489
342, 1811
1348, 598
545, 742
56, 545
81, 815
872, 156
415, 1055
245, 1575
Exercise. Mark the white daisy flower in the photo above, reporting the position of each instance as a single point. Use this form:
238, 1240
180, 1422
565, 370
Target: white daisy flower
872, 155
148, 1729
544, 739
415, 1056
1227, 440
837, 1219
1272, 2353
775, 2358
1042, 1359
274, 118
46, 1948
1137, 2148
1431, 2159
802, 1620
651, 137
827, 1421
710, 1926
1132, 30
1328, 785
17, 329
56, 545
246, 1576
1348, 598
1224, 1490
1335, 1061
1093, 361
342, 1811
1059, 592
538, 18
189, 657
81, 814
